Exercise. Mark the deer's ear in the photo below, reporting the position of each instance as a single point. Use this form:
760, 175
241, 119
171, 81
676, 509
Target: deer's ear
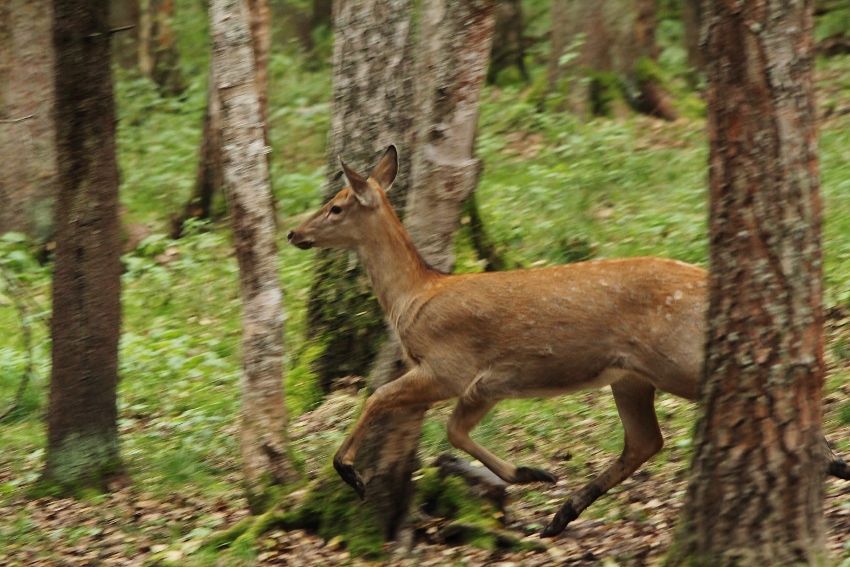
362, 190
387, 169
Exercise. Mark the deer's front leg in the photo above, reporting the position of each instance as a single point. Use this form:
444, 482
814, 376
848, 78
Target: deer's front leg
416, 387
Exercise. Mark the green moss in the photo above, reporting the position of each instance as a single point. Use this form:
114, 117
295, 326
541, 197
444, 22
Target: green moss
344, 320
333, 509
78, 464
475, 519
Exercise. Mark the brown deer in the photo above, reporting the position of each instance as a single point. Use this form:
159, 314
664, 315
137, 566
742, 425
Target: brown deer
636, 324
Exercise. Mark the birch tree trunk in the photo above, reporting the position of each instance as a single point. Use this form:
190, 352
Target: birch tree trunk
209, 178
452, 60
263, 442
27, 139
372, 101
82, 428
756, 489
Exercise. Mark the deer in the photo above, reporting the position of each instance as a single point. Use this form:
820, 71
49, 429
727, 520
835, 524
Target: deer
637, 325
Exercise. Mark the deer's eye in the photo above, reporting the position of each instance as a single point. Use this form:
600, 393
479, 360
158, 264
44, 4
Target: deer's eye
335, 210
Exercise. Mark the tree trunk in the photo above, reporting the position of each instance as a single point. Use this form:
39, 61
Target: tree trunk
125, 45
612, 57
756, 489
263, 443
82, 432
209, 178
261, 35
452, 60
372, 98
508, 41
692, 18
27, 142
159, 59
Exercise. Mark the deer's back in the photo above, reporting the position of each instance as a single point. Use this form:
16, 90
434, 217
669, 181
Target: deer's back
561, 327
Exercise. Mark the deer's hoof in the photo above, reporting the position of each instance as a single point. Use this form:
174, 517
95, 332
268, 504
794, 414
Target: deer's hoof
552, 530
525, 475
351, 477
559, 523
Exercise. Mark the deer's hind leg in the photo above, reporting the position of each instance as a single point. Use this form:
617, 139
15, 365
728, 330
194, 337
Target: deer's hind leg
635, 399
468, 412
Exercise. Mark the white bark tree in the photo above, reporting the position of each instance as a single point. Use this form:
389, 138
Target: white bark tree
263, 440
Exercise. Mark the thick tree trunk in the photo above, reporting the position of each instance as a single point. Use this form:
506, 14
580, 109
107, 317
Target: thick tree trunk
613, 53
263, 442
452, 59
27, 143
372, 108
372, 98
82, 432
756, 490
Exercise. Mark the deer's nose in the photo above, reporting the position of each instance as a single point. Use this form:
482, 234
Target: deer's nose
290, 236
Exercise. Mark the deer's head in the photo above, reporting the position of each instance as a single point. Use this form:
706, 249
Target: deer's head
346, 218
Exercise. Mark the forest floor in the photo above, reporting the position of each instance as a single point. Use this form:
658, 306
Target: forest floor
128, 527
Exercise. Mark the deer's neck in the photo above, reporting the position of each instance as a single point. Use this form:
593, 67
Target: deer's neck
397, 271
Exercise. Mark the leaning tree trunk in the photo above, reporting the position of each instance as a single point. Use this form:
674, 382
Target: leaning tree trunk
610, 57
27, 143
263, 442
452, 59
756, 491
209, 176
372, 98
82, 430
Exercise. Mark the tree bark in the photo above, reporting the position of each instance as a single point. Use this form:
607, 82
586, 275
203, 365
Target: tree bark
372, 98
508, 41
452, 61
692, 18
82, 432
613, 61
263, 443
27, 142
125, 45
159, 59
756, 489
209, 178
